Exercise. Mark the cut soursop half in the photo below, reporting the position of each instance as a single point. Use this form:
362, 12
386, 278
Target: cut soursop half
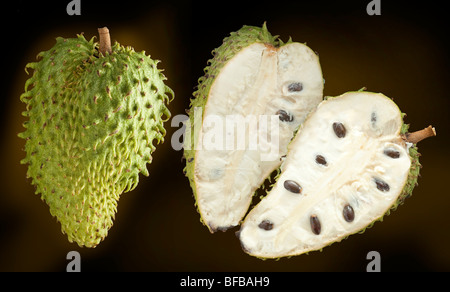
351, 162
255, 85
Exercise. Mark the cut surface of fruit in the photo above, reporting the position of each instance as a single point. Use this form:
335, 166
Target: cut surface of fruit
351, 165
266, 91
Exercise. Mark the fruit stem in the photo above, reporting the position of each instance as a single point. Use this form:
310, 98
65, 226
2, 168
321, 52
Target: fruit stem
418, 136
105, 41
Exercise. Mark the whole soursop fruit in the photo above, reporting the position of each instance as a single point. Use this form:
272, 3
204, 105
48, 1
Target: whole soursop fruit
351, 163
252, 78
94, 113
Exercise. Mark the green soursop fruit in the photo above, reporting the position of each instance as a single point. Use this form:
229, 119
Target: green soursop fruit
351, 163
94, 114
252, 76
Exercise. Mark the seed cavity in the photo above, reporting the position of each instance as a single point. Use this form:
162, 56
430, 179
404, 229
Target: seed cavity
295, 87
321, 160
392, 153
266, 225
315, 224
284, 116
381, 185
348, 213
292, 186
339, 130
216, 173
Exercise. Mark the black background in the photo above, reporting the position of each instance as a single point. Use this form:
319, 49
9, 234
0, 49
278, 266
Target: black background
402, 53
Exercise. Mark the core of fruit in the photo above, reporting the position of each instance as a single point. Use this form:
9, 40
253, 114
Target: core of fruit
95, 113
351, 163
252, 76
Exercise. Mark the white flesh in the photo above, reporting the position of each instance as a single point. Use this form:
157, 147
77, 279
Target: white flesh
373, 123
253, 83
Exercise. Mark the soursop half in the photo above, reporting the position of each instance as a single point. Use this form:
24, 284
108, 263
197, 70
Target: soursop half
94, 113
252, 78
351, 163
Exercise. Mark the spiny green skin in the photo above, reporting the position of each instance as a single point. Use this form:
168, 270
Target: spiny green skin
231, 45
414, 171
92, 123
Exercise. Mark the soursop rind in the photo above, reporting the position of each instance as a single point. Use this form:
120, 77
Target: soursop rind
93, 122
264, 246
253, 74
231, 45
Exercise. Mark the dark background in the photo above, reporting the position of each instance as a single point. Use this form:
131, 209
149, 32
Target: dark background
403, 53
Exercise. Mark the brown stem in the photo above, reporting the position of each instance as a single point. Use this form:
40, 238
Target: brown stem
418, 136
105, 41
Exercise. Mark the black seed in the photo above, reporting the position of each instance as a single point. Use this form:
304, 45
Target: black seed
266, 225
392, 153
284, 116
321, 160
295, 87
315, 224
339, 130
381, 185
292, 186
373, 117
349, 214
